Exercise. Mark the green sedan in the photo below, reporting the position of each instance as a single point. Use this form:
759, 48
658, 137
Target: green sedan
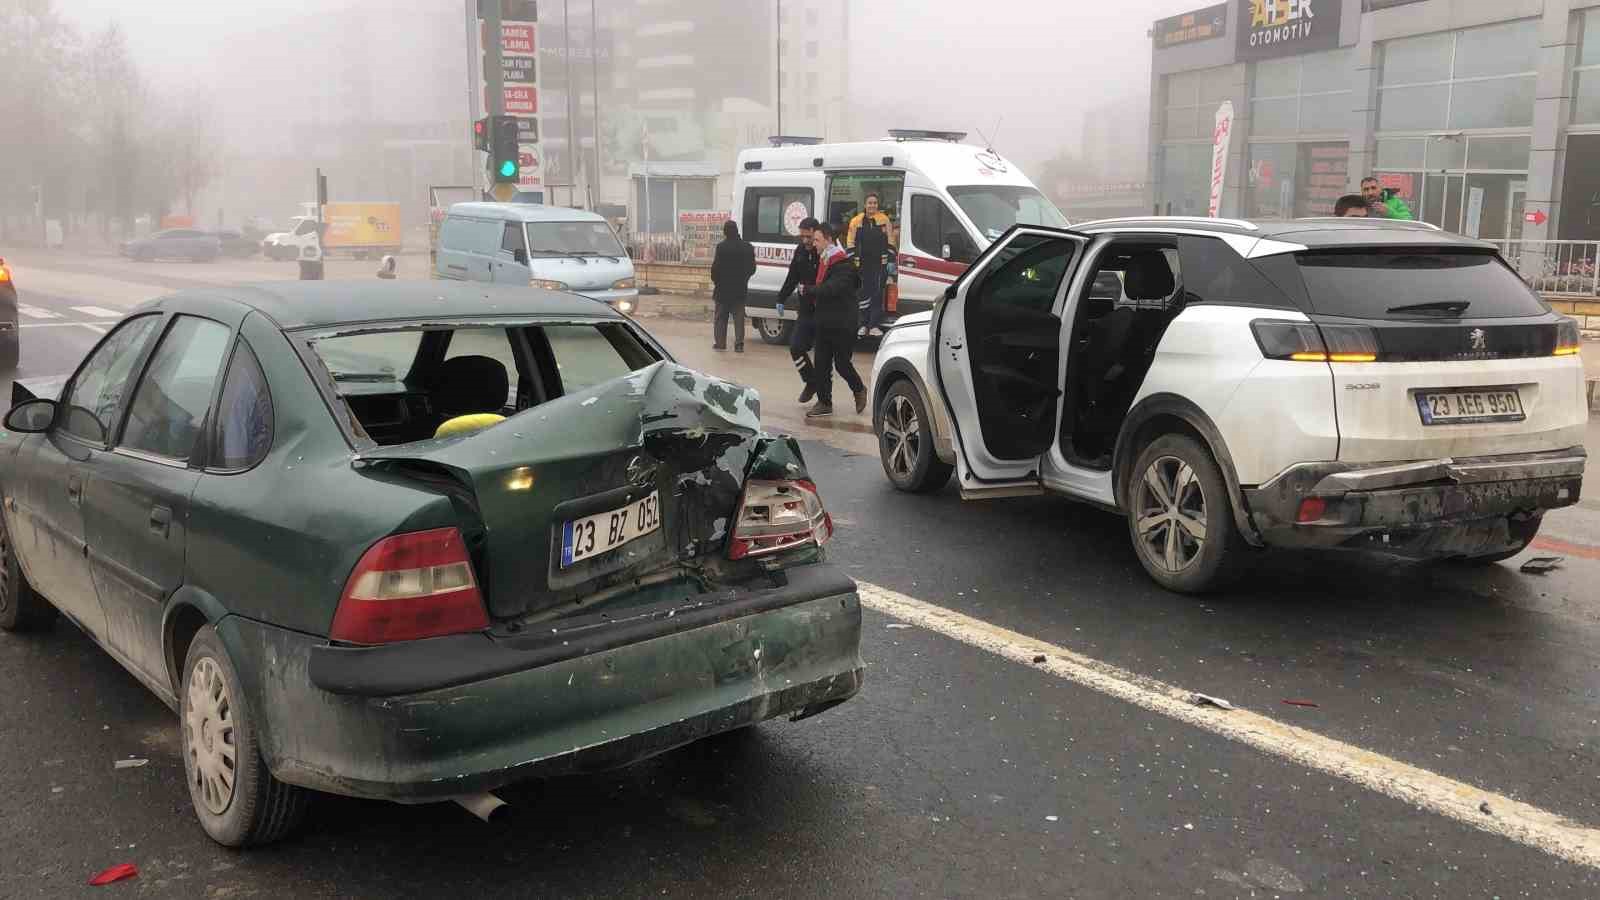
416, 541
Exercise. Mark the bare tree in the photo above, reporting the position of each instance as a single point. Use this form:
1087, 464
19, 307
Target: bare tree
193, 142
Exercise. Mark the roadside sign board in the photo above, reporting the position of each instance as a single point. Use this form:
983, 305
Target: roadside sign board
519, 68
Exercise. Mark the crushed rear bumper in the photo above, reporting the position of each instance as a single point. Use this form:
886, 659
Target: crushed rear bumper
1424, 508
435, 719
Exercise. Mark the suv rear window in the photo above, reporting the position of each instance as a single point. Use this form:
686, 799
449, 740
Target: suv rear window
1399, 284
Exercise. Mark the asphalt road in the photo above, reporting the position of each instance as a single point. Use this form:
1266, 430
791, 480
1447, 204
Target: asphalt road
956, 771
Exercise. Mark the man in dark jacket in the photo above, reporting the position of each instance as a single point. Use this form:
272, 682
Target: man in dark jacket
835, 298
802, 278
731, 269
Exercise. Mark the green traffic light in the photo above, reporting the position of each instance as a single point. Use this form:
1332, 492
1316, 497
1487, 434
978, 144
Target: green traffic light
508, 168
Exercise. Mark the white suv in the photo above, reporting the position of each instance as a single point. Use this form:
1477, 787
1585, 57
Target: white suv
1225, 385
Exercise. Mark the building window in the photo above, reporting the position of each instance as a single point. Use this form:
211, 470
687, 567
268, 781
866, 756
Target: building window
811, 111
1302, 94
1293, 180
1471, 184
812, 81
1192, 99
1586, 74
783, 48
1477, 78
811, 17
811, 49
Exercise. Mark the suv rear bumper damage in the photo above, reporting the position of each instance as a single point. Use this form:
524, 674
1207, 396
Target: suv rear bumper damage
1426, 508
361, 722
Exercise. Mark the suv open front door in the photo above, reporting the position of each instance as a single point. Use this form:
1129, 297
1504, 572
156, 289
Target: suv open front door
995, 357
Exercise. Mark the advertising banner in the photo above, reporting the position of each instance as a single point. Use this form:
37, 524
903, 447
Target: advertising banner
1199, 25
1221, 137
701, 230
1272, 28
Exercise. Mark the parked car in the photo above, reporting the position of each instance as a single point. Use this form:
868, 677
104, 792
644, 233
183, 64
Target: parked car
1224, 385
353, 575
174, 243
10, 334
238, 244
547, 247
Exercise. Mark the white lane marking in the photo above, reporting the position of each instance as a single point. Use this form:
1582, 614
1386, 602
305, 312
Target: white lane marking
1521, 822
34, 312
98, 312
97, 329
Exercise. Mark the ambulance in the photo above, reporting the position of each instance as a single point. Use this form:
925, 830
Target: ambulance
946, 200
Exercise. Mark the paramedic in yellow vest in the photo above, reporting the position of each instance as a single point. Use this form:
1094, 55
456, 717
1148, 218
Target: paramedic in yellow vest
869, 239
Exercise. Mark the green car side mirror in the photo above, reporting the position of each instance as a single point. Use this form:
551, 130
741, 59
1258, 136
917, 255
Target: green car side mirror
31, 416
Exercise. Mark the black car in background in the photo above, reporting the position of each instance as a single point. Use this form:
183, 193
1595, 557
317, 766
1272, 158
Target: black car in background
174, 243
239, 244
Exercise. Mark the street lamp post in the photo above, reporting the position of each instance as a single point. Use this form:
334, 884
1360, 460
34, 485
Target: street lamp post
778, 52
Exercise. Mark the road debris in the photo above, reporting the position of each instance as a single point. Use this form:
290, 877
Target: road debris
1308, 703
1484, 808
116, 873
1039, 658
897, 625
1208, 700
1052, 818
131, 763
1542, 564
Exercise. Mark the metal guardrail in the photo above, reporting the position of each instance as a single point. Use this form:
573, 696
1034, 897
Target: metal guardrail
1555, 267
656, 248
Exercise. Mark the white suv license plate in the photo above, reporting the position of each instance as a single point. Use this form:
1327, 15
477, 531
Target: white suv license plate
602, 532
1467, 407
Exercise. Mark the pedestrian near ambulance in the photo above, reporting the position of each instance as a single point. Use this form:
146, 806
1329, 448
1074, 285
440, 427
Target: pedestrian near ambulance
869, 238
836, 311
731, 268
801, 282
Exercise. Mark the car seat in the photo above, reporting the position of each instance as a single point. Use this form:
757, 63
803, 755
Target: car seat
468, 384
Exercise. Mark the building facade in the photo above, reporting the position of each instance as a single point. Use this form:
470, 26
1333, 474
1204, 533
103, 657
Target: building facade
1483, 115
681, 89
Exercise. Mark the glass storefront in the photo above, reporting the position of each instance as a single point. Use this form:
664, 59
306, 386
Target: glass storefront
1294, 180
1477, 78
1475, 185
1191, 101
1586, 74
1302, 95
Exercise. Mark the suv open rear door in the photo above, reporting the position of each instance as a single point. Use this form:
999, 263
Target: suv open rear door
995, 357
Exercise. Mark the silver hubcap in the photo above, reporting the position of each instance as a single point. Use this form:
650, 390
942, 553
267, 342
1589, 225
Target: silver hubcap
901, 436
1171, 514
771, 327
208, 737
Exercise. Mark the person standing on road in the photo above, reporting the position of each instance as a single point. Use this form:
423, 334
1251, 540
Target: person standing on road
869, 237
731, 268
835, 299
802, 279
1383, 204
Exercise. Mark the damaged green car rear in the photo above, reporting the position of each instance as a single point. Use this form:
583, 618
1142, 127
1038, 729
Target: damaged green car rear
505, 541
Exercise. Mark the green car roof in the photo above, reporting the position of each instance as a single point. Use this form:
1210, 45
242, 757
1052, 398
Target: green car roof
315, 304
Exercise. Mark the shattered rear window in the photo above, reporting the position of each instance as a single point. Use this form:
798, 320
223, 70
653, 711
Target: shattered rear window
376, 356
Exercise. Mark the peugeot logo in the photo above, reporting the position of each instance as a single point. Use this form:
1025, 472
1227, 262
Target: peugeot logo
1478, 339
641, 471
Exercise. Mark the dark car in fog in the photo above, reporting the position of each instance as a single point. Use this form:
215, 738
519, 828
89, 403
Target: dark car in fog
238, 244
174, 243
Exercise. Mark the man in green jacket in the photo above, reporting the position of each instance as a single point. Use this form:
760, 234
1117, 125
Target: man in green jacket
1381, 207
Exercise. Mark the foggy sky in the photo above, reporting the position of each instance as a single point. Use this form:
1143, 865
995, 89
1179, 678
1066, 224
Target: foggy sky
1034, 66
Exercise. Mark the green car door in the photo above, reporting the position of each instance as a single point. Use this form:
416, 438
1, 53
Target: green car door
56, 467
137, 504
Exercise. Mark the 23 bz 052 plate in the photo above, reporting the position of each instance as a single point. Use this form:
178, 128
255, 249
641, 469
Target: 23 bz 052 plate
603, 532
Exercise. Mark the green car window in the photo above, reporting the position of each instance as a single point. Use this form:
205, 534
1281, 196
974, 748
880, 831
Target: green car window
97, 389
171, 401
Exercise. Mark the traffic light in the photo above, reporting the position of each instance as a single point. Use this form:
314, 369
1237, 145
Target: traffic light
480, 134
504, 154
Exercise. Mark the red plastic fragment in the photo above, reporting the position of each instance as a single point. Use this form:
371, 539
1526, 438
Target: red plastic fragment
115, 873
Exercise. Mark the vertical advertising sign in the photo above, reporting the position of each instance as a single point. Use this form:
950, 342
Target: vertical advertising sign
1221, 137
519, 75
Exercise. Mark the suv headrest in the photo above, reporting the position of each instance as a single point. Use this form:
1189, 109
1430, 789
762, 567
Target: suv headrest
1148, 277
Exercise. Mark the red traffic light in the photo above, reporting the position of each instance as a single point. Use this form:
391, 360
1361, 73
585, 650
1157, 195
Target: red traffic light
480, 134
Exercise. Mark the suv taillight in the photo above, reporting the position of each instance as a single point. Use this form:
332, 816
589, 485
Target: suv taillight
410, 586
1568, 341
1309, 342
779, 515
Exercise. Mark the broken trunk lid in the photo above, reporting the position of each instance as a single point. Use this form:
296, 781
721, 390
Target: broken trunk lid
685, 436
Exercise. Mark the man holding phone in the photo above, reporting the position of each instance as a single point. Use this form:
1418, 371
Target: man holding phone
1382, 202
